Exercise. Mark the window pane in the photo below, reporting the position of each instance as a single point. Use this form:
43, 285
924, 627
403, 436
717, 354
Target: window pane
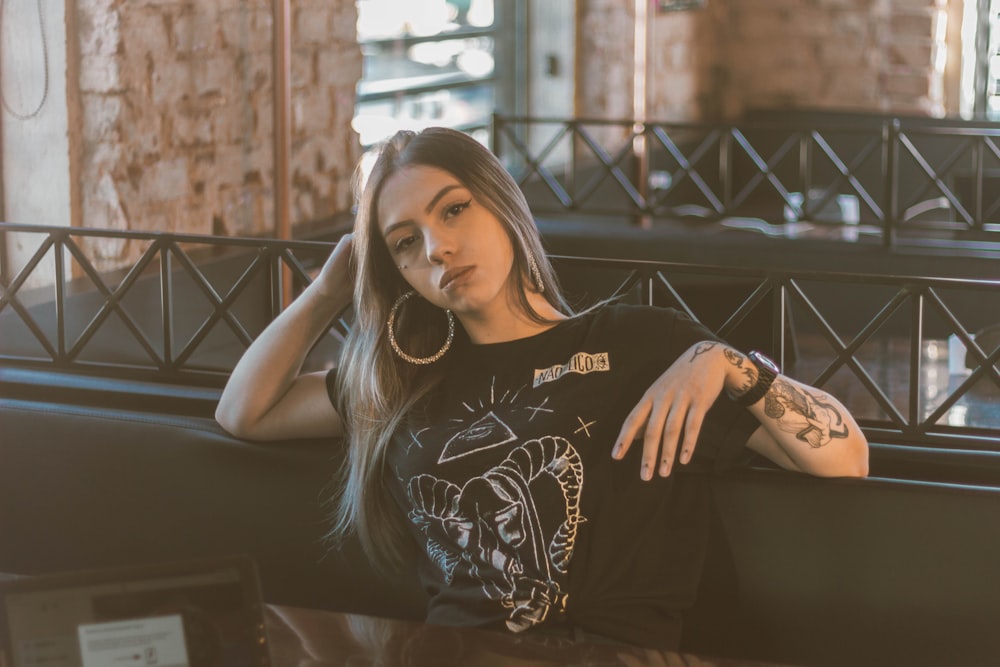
462, 108
389, 68
426, 62
993, 63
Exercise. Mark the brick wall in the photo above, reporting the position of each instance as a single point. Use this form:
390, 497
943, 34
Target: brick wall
685, 64
878, 55
605, 39
716, 62
176, 114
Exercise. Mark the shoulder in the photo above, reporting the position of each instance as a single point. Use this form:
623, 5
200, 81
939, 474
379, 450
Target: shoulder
647, 328
614, 315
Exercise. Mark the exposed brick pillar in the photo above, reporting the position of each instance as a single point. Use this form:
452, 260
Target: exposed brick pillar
177, 114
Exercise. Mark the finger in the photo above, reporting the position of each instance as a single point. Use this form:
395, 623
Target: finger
653, 437
630, 427
669, 438
643, 658
677, 660
629, 660
692, 427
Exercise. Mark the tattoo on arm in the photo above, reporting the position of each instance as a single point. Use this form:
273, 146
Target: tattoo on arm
749, 372
796, 410
702, 348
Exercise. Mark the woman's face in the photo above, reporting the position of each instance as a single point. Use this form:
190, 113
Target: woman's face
447, 245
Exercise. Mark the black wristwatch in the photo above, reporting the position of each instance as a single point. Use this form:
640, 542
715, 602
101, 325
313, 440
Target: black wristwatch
767, 371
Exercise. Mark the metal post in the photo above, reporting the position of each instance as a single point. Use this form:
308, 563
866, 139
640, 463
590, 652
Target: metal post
979, 216
805, 167
58, 255
726, 168
166, 297
5, 267
916, 352
779, 322
890, 142
282, 39
640, 77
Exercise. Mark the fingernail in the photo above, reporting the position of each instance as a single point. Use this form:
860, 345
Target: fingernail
645, 472
616, 452
664, 468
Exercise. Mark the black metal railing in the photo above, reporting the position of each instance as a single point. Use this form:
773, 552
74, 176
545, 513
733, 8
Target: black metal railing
893, 177
188, 306
162, 311
895, 356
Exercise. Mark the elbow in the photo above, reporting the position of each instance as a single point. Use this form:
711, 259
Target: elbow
862, 467
232, 424
853, 460
859, 456
228, 425
847, 458
857, 468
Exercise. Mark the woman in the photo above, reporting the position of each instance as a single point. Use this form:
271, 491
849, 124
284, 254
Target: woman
543, 464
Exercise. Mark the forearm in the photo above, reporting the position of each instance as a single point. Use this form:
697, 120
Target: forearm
273, 361
812, 429
804, 428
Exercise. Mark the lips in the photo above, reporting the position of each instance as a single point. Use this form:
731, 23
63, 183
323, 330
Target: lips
452, 277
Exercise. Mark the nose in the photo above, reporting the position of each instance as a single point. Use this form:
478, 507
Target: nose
439, 242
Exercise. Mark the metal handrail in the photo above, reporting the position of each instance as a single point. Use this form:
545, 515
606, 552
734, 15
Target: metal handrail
177, 256
917, 179
255, 271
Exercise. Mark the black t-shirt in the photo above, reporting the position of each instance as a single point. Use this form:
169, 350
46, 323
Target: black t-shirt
507, 481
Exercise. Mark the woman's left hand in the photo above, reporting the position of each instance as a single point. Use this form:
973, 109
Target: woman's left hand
672, 410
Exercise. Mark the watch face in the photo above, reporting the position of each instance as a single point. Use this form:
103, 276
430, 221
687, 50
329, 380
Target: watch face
760, 360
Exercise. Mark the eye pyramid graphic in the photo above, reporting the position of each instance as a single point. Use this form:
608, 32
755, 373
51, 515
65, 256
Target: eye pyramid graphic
485, 433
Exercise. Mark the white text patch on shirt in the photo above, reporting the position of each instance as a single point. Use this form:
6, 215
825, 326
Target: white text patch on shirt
581, 363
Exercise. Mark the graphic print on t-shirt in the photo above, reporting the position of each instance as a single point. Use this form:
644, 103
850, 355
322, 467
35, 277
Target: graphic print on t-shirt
581, 363
491, 530
483, 434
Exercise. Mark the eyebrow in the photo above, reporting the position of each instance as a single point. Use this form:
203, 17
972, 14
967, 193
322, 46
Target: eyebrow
441, 193
430, 207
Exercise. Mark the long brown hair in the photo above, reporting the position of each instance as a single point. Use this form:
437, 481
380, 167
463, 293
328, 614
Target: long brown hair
377, 389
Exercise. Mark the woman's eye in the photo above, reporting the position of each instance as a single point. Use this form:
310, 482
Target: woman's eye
455, 209
403, 243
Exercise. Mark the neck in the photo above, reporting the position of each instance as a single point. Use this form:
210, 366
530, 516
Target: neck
512, 324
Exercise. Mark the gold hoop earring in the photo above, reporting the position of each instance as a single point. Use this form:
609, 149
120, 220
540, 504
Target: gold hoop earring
420, 361
536, 274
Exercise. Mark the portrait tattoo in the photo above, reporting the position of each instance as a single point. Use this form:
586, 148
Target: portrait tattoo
811, 419
702, 348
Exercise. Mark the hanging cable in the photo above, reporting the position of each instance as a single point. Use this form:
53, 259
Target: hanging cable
45, 64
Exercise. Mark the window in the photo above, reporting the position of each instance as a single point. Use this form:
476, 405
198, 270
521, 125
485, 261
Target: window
993, 62
431, 62
981, 60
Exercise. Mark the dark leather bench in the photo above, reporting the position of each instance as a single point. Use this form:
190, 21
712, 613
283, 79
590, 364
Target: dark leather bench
801, 570
86, 487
